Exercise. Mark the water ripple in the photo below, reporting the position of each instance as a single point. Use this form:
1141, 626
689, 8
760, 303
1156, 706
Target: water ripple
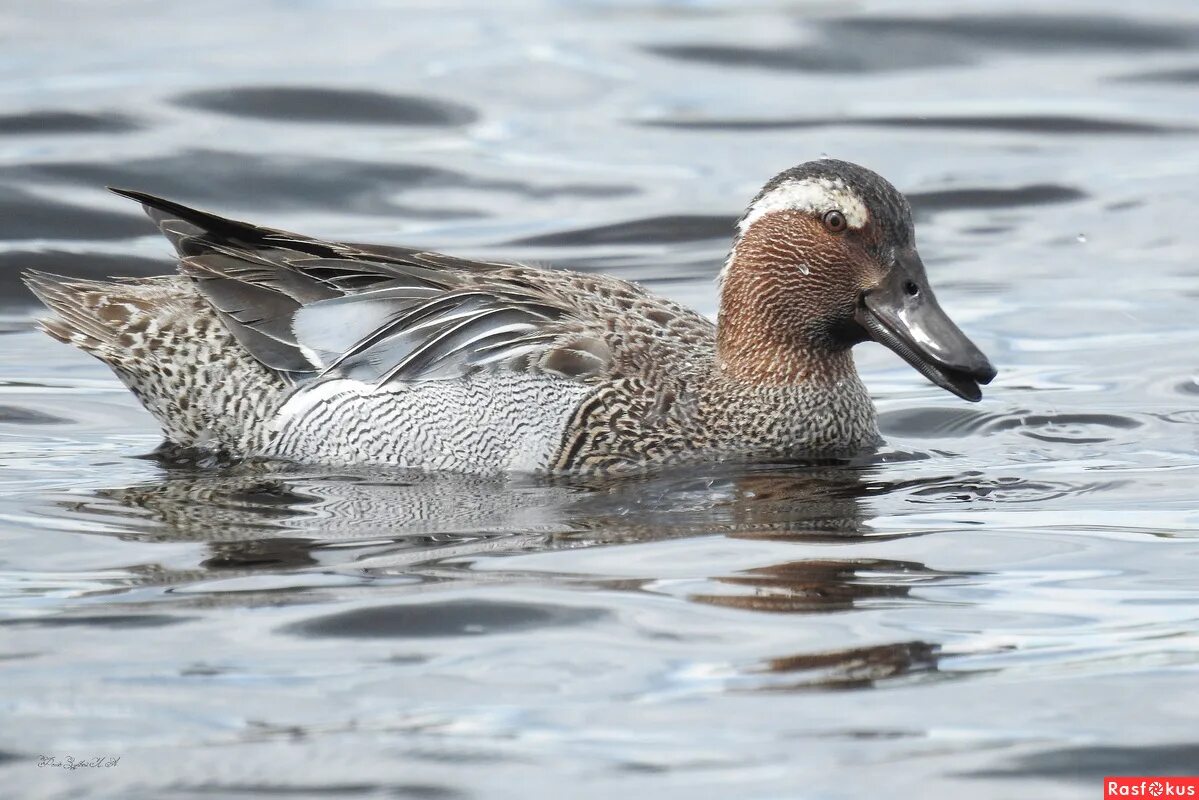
852, 668
1034, 33
1039, 124
272, 182
973, 487
113, 621
18, 415
649, 230
943, 423
1082, 764
28, 216
449, 618
931, 201
822, 585
1182, 75
817, 57
882, 44
41, 123
334, 106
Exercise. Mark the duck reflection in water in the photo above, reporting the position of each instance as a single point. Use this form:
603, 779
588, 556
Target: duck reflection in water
266, 500
268, 518
820, 586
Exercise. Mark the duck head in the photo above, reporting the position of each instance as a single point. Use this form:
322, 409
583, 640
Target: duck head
825, 257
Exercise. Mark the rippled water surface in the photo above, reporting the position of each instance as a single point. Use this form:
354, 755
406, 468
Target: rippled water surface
1005, 604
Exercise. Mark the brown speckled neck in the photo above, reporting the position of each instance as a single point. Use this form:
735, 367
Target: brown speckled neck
783, 292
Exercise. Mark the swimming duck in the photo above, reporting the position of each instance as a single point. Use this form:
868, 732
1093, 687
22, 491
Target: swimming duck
271, 344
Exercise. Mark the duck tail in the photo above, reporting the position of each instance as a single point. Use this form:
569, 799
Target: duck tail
92, 315
163, 342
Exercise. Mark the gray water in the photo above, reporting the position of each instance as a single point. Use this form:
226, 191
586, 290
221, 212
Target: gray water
1004, 604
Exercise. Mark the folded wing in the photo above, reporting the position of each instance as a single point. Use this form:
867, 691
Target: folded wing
310, 309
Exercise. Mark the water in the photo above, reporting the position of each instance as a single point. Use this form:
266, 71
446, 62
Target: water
1005, 605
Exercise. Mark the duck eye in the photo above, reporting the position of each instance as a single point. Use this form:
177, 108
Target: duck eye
835, 221
911, 288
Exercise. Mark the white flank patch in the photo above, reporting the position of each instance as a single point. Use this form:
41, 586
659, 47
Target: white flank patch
812, 196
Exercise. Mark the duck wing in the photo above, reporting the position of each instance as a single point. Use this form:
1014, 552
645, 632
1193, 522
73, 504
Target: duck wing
311, 309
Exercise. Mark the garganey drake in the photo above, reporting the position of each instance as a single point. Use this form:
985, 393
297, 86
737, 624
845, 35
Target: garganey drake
274, 345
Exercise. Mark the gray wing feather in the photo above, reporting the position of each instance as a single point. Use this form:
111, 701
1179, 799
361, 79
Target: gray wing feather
311, 309
404, 339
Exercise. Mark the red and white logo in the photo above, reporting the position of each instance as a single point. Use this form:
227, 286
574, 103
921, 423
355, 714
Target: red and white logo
1164, 786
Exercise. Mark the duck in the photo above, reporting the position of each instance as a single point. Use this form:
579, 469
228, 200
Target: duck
271, 345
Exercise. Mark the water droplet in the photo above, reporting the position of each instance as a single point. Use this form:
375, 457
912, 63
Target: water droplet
1082, 237
804, 269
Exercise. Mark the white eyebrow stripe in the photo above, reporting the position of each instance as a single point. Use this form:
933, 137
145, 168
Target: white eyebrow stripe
813, 196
